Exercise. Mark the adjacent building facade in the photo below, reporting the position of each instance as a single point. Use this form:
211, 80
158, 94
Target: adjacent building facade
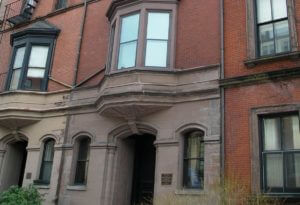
261, 87
110, 101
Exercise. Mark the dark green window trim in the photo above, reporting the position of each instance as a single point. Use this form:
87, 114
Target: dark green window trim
60, 4
28, 41
47, 163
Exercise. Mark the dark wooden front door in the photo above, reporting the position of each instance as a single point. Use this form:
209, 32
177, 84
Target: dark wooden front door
144, 169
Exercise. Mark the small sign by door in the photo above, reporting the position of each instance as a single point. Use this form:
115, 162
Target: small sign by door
166, 179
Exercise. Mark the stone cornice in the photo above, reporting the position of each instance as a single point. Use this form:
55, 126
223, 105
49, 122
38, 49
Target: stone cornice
260, 77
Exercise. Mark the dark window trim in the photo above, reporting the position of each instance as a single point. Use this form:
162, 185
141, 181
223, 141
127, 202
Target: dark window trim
40, 181
253, 57
29, 41
60, 4
185, 139
258, 53
280, 192
87, 160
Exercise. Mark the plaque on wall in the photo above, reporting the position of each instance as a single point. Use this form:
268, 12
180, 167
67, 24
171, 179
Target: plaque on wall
166, 179
28, 175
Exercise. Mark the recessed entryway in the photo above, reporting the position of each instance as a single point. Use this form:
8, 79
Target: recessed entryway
144, 170
14, 164
135, 170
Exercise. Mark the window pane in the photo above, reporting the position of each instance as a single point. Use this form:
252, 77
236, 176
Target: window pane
291, 133
266, 39
38, 56
15, 79
49, 150
272, 134
130, 28
127, 55
274, 170
194, 145
83, 149
279, 9
264, 11
194, 173
282, 36
156, 53
158, 26
33, 83
46, 171
80, 173
293, 170
19, 57
36, 73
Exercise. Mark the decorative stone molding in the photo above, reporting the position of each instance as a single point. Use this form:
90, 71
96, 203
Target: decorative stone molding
137, 93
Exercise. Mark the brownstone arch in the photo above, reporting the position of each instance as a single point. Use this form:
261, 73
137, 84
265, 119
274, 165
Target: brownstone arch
13, 156
132, 162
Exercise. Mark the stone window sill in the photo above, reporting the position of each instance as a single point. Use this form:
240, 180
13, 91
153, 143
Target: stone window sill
76, 187
133, 69
42, 186
253, 62
189, 192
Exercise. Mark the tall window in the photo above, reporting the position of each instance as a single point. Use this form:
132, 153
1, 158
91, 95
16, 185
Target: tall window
281, 153
30, 66
272, 27
193, 160
82, 161
47, 161
128, 41
17, 68
157, 39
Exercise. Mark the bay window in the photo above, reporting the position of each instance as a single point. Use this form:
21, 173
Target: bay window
142, 36
31, 62
31, 57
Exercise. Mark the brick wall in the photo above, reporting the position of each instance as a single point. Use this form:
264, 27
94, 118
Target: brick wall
235, 37
240, 100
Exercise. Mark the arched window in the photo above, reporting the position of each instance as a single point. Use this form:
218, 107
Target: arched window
193, 174
47, 161
82, 161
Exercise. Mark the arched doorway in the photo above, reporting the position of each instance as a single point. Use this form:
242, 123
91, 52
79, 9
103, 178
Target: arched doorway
13, 168
136, 170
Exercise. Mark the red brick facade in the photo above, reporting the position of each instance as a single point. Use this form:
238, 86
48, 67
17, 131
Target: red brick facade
196, 29
240, 100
